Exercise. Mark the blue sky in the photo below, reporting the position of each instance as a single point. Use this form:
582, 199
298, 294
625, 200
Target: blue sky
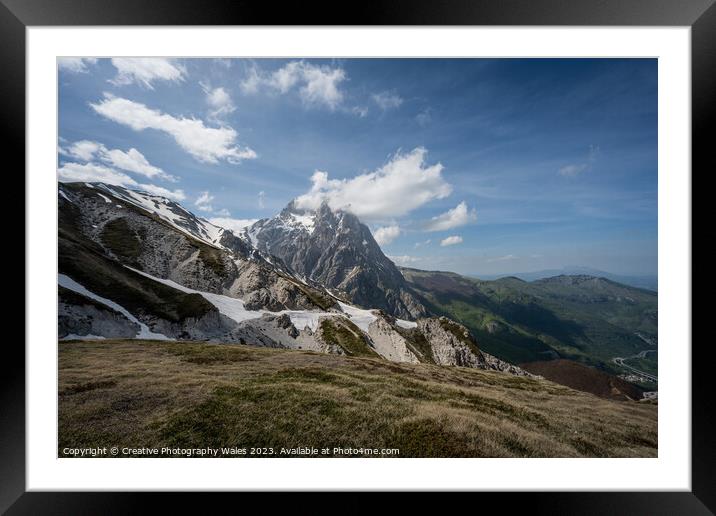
472, 165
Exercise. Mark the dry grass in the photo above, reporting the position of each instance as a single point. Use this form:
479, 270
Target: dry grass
141, 393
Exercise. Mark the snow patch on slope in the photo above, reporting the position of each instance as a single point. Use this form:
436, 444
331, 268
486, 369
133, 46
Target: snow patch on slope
306, 222
362, 318
72, 336
359, 317
144, 331
234, 308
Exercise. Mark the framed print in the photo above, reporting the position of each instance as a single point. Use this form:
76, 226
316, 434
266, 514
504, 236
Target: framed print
444, 249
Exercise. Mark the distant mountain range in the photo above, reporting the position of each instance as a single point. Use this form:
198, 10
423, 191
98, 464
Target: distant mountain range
584, 318
647, 281
136, 265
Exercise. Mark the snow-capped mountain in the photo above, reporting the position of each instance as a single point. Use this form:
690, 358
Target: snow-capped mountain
334, 249
167, 210
136, 265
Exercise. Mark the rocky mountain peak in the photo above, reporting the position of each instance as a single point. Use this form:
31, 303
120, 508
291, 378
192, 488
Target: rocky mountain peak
334, 248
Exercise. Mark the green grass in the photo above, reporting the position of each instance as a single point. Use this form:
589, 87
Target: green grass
122, 240
143, 393
417, 343
348, 336
212, 258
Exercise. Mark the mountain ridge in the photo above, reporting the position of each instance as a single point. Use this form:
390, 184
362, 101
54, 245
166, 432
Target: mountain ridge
588, 319
134, 260
333, 248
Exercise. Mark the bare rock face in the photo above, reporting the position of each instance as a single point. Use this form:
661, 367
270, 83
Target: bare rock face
80, 316
496, 364
211, 326
268, 331
262, 287
389, 342
334, 249
451, 343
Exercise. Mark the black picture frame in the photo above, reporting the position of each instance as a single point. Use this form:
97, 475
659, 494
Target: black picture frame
700, 15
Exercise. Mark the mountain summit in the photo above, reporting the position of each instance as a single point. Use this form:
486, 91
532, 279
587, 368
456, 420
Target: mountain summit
333, 248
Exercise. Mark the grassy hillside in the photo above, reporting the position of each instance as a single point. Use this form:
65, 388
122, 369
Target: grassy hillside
590, 320
142, 393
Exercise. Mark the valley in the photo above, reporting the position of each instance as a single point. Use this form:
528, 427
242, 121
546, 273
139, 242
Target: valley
586, 319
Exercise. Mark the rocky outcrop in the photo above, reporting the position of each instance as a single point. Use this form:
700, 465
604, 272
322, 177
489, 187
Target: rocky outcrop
451, 343
211, 326
336, 334
334, 249
496, 364
276, 331
261, 287
79, 316
389, 342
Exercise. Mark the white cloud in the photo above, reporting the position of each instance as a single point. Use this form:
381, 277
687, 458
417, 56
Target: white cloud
134, 161
361, 111
386, 234
75, 64
91, 172
235, 225
206, 144
219, 101
420, 244
451, 240
403, 260
83, 149
224, 62
397, 188
572, 170
424, 117
252, 82
262, 199
145, 70
387, 100
203, 202
505, 258
575, 169
223, 212
130, 161
317, 85
456, 217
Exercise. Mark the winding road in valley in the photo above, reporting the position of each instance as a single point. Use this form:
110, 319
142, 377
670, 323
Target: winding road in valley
642, 354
